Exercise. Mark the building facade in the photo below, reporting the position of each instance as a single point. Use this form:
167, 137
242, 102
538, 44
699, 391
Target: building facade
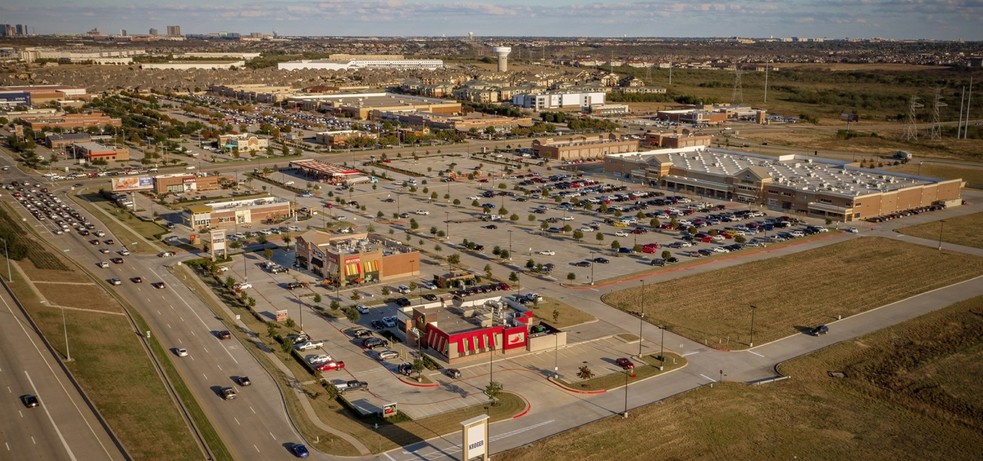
179, 183
243, 142
355, 259
817, 187
582, 147
93, 151
545, 101
231, 213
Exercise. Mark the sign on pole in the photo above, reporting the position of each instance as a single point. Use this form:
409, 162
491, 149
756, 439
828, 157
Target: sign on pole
389, 410
475, 438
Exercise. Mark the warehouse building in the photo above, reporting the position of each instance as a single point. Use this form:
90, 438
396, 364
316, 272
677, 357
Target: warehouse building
361, 105
817, 187
355, 259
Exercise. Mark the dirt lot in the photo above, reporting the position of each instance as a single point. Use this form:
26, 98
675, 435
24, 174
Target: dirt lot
909, 393
842, 279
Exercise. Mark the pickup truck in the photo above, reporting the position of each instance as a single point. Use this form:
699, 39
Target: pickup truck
309, 345
353, 385
228, 393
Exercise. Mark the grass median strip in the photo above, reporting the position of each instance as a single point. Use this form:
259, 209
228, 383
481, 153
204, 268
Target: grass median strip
796, 292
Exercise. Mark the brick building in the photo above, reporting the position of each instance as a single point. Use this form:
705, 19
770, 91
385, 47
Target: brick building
583, 147
355, 259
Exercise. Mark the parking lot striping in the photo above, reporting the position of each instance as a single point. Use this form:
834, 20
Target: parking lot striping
689, 354
168, 325
387, 456
709, 378
8, 446
219, 367
755, 353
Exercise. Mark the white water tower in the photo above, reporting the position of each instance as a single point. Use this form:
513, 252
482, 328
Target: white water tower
503, 57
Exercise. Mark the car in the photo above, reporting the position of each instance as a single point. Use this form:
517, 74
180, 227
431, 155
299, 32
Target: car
404, 369
115, 281
243, 381
109, 242
582, 263
401, 302
319, 359
658, 262
117, 260
103, 264
601, 260
136, 279
452, 373
625, 363
626, 250
306, 345
243, 286
229, 393
224, 334
372, 343
94, 242
362, 309
853, 230
352, 385
386, 354
181, 352
104, 251
429, 297
299, 450
820, 330
158, 285
30, 400
378, 325
362, 333
547, 252
490, 226
621, 234
165, 254
330, 366
124, 252
421, 212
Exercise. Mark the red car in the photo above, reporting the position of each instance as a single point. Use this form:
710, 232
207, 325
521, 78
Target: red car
329, 366
625, 363
117, 260
650, 248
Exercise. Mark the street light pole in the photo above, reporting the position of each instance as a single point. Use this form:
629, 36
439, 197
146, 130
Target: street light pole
662, 347
641, 317
6, 256
625, 414
556, 355
510, 244
751, 342
592, 268
941, 226
447, 225
68, 352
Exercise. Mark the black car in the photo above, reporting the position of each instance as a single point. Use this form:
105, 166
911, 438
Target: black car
30, 400
364, 333
452, 373
820, 330
601, 260
582, 264
430, 297
403, 302
405, 369
372, 343
244, 381
378, 325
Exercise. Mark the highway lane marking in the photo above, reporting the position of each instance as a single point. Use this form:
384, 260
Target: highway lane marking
709, 378
206, 376
220, 368
34, 441
755, 353
690, 353
204, 348
60, 382
8, 446
271, 435
193, 333
257, 448
251, 409
71, 454
169, 326
237, 420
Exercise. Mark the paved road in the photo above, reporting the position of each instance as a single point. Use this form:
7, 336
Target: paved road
63, 427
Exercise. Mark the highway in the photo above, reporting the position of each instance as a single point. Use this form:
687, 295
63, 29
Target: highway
63, 427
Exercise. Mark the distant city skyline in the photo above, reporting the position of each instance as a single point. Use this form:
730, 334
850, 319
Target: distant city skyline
831, 19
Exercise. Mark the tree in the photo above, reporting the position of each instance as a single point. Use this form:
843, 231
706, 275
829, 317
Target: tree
571, 276
615, 245
352, 315
578, 234
413, 224
493, 390
286, 240
514, 217
268, 253
530, 264
418, 366
599, 236
544, 225
317, 298
585, 373
531, 218
666, 254
556, 315
740, 239
386, 291
456, 201
433, 230
488, 270
335, 304
654, 222
504, 254
454, 259
567, 228
514, 277
356, 296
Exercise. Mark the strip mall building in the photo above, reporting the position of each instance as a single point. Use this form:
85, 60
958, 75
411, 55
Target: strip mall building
355, 259
813, 186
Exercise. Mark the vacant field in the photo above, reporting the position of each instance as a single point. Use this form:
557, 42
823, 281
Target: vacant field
795, 292
910, 393
567, 315
964, 230
972, 175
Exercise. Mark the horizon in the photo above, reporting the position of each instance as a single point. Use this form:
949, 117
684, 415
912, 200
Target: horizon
833, 20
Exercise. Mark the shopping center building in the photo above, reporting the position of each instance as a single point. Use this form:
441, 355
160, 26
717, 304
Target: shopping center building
813, 186
355, 259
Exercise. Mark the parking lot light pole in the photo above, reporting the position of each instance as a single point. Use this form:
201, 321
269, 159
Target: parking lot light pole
510, 244
592, 268
447, 225
662, 347
641, 318
751, 342
556, 355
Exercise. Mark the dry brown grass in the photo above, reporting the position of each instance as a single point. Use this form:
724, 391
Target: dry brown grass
797, 291
568, 315
962, 230
911, 393
90, 296
970, 174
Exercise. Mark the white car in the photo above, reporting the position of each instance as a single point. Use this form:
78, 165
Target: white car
181, 352
318, 359
853, 230
421, 212
567, 218
362, 309
387, 354
103, 264
547, 252
621, 234
165, 254
243, 286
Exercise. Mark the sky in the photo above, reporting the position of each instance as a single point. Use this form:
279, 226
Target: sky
898, 19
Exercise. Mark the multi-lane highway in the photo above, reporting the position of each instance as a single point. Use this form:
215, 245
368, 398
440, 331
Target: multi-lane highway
63, 426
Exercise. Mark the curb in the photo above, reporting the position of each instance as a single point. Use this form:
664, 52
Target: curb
576, 391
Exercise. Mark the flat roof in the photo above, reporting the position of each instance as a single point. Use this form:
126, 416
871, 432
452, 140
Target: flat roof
325, 168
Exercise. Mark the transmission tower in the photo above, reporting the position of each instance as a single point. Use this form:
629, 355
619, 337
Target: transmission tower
737, 97
910, 130
936, 123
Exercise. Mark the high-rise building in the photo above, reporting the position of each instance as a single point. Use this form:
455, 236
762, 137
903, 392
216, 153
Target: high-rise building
154, 31
21, 30
174, 30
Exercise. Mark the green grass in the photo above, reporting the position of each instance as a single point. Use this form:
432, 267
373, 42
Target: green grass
962, 230
910, 393
127, 234
842, 279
